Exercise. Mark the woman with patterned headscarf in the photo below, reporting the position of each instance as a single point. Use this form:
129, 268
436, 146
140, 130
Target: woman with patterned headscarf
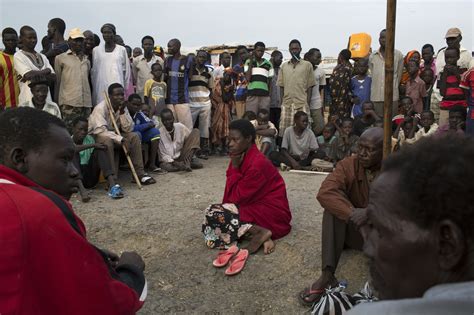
412, 55
110, 64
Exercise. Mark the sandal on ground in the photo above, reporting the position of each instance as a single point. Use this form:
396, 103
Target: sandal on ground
224, 256
310, 296
146, 180
203, 155
159, 171
237, 263
115, 192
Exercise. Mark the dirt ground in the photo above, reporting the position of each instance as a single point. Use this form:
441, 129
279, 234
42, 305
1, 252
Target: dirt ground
163, 224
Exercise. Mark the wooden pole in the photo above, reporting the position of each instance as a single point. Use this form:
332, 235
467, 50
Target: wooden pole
389, 69
117, 131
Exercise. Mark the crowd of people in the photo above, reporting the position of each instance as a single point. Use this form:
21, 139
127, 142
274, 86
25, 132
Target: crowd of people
86, 105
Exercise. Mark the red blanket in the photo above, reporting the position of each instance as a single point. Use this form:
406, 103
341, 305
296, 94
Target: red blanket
260, 193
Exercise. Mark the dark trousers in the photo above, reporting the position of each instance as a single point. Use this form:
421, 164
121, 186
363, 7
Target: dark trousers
90, 173
275, 114
337, 235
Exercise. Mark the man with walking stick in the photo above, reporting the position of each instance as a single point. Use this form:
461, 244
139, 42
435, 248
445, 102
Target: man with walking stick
118, 132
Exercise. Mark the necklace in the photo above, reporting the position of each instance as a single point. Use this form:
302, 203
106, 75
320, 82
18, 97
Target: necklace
35, 58
172, 131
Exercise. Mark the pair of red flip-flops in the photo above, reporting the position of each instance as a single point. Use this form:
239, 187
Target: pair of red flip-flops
237, 258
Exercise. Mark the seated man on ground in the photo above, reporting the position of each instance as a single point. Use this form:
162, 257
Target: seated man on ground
90, 159
48, 266
145, 128
255, 200
101, 126
265, 130
418, 235
39, 87
366, 120
456, 121
342, 195
299, 145
177, 144
346, 141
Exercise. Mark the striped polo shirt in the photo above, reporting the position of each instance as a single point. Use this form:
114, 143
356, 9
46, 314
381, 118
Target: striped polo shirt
261, 72
9, 89
454, 93
200, 85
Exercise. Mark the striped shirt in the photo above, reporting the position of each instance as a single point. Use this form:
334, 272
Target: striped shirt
177, 73
261, 72
8, 82
454, 94
200, 85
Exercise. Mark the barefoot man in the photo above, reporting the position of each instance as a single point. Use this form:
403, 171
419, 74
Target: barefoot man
342, 195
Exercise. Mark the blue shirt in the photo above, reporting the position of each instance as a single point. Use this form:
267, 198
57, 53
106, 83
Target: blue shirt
361, 89
241, 80
177, 74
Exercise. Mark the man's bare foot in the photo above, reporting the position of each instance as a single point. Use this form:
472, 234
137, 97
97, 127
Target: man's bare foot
268, 246
259, 237
312, 294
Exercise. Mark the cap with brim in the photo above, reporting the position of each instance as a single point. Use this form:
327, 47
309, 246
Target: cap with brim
76, 33
453, 32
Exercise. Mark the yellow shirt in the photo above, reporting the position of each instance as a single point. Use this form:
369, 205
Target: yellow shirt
9, 88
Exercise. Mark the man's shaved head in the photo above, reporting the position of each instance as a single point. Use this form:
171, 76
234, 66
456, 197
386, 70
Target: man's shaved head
374, 134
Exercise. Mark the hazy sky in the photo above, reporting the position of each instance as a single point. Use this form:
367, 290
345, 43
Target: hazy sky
325, 24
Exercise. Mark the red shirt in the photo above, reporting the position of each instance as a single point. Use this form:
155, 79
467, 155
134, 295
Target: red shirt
467, 82
454, 94
260, 193
9, 89
46, 267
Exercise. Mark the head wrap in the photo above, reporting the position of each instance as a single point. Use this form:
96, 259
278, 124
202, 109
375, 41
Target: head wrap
108, 25
409, 55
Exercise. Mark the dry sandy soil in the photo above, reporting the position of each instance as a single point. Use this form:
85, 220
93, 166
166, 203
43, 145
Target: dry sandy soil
163, 224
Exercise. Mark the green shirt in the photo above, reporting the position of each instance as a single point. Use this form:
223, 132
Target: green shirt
85, 155
261, 72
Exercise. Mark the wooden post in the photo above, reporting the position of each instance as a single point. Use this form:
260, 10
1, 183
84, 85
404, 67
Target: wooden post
389, 63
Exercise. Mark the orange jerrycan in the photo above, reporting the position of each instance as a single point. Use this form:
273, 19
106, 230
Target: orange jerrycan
359, 45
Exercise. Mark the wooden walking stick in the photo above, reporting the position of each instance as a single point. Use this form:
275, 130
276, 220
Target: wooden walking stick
117, 131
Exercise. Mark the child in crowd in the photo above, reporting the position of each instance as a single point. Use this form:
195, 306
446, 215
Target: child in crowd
145, 127
360, 86
415, 87
402, 132
39, 91
345, 143
155, 91
249, 115
222, 100
449, 85
326, 140
299, 145
265, 130
91, 159
456, 121
366, 120
427, 75
405, 108
428, 127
